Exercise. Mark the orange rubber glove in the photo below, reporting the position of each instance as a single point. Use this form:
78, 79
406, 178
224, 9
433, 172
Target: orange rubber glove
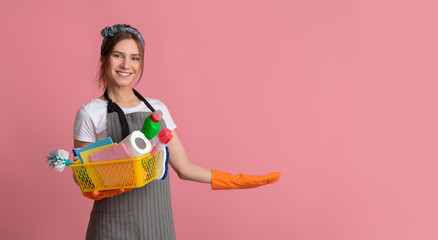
99, 195
223, 181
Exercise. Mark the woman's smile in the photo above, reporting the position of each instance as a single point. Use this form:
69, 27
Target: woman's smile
123, 74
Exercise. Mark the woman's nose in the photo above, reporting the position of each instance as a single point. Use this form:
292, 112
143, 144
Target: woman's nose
124, 64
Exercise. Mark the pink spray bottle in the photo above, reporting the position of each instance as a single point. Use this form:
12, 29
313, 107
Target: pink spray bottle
161, 140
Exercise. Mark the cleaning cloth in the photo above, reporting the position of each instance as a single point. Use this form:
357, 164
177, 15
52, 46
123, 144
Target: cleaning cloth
117, 152
99, 143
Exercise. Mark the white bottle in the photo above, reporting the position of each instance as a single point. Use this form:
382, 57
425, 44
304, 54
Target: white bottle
160, 141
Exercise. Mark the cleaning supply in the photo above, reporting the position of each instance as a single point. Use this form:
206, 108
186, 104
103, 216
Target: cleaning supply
159, 147
58, 159
151, 125
224, 181
162, 163
85, 155
126, 173
99, 143
115, 153
137, 144
161, 140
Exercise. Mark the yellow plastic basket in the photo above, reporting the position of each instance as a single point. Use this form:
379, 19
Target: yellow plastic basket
127, 173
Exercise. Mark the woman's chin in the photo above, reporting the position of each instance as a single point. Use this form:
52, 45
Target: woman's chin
121, 83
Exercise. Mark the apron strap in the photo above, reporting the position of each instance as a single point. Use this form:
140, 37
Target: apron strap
113, 107
144, 100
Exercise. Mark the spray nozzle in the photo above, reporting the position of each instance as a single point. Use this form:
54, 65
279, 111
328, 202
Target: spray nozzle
165, 136
156, 116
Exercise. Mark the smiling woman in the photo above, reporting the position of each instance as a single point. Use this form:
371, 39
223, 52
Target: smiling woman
145, 212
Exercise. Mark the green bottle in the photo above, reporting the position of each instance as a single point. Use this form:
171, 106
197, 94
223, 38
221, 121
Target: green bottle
151, 125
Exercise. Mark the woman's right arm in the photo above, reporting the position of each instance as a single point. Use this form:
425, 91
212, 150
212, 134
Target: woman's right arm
78, 144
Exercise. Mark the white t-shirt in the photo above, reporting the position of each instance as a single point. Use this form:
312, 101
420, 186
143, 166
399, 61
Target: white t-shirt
90, 122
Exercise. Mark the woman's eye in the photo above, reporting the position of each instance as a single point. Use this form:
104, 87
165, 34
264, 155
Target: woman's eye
135, 59
117, 56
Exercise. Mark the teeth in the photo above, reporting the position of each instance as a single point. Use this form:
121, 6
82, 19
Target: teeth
124, 74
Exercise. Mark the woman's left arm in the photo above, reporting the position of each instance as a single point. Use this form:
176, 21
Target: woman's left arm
219, 180
181, 164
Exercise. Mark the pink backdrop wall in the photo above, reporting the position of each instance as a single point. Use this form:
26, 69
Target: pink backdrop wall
340, 96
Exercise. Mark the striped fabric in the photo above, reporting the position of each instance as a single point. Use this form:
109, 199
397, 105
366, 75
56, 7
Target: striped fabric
143, 213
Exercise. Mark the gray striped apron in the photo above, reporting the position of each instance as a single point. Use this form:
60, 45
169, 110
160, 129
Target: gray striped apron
143, 213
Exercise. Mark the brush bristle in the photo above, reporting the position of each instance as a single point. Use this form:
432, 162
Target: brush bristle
57, 159
166, 165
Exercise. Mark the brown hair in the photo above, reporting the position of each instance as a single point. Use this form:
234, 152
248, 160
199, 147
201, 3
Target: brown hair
102, 77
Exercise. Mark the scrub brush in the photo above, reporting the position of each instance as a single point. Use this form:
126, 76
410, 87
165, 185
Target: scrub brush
162, 163
166, 165
58, 159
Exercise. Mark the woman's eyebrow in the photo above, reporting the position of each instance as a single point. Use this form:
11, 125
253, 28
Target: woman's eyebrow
136, 54
115, 51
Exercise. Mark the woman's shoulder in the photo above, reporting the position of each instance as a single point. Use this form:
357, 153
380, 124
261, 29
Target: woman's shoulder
95, 104
90, 122
94, 108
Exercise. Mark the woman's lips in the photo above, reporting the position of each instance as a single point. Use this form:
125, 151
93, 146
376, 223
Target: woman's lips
124, 74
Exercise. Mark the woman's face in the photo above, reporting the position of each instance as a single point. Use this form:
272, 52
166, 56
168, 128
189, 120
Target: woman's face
124, 63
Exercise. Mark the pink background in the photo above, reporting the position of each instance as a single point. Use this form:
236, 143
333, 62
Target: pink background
338, 95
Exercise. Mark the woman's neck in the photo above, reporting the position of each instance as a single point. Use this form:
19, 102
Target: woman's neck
123, 96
